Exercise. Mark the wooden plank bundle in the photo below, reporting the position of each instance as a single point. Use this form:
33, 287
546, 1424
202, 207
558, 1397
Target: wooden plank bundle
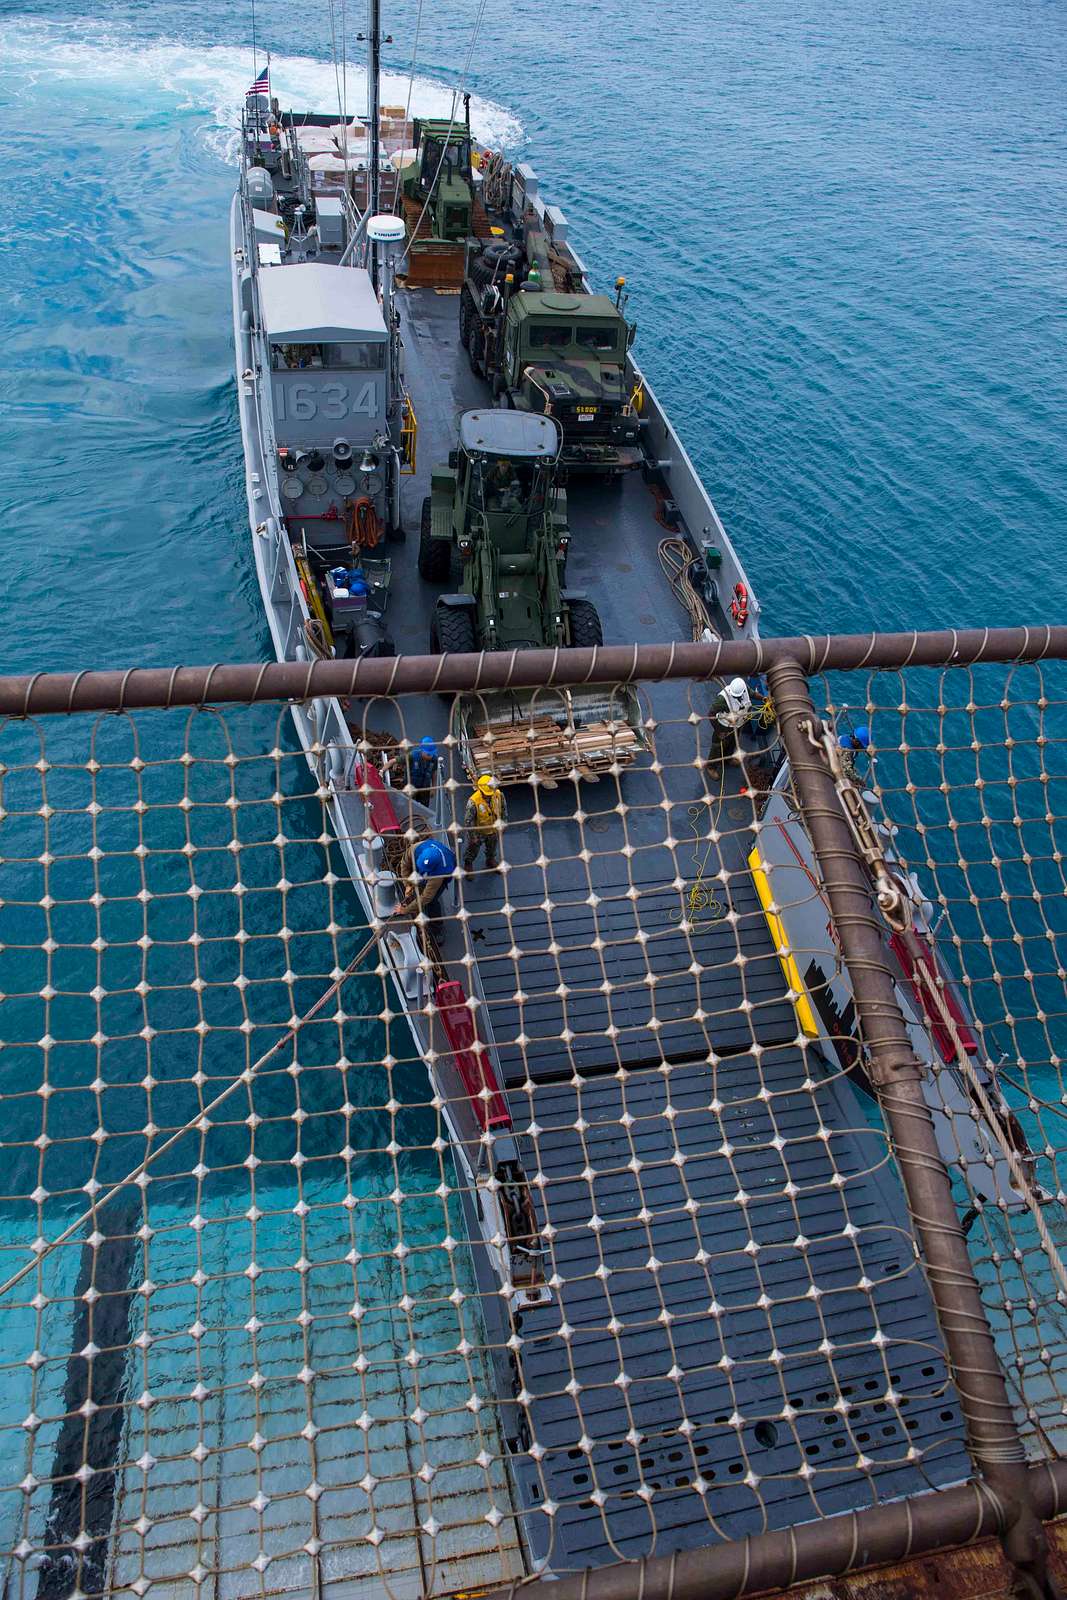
514, 750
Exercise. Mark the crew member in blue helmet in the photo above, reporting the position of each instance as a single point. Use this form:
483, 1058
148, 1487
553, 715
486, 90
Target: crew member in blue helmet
855, 743
425, 871
422, 769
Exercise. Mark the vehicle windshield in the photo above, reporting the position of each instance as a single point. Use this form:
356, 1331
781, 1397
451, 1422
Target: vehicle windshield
502, 484
603, 339
458, 159
550, 336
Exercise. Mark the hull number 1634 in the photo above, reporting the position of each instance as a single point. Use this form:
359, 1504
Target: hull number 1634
301, 402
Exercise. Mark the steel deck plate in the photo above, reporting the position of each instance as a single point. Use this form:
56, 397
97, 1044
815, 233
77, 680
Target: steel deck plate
651, 1313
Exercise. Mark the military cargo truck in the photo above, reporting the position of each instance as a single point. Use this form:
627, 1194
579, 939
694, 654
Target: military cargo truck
552, 354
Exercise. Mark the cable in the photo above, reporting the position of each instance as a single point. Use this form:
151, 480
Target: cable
399, 192
342, 99
315, 634
677, 560
456, 94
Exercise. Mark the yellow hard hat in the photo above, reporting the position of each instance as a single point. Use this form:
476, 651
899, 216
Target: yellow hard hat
487, 783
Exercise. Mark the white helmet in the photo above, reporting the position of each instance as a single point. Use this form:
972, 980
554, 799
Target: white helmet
737, 695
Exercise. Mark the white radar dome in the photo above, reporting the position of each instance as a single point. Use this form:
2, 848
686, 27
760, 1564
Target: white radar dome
385, 229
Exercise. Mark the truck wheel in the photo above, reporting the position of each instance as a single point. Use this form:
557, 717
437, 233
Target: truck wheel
453, 631
476, 349
586, 631
434, 554
466, 311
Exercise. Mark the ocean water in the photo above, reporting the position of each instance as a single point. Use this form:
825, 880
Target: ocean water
841, 224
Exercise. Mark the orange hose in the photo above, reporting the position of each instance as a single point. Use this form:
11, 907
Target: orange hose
362, 524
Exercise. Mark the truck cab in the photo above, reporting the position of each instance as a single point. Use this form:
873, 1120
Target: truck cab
495, 523
441, 175
564, 356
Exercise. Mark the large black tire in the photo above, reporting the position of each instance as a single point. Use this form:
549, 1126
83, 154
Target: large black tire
434, 554
476, 349
466, 313
453, 631
586, 631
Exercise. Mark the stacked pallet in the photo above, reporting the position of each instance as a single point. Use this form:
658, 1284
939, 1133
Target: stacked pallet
512, 751
437, 263
432, 263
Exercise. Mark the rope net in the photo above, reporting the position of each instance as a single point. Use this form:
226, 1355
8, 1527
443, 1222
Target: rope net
547, 1225
969, 768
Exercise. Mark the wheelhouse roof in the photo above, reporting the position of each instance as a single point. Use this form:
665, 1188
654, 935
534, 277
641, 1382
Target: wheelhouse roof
508, 433
308, 302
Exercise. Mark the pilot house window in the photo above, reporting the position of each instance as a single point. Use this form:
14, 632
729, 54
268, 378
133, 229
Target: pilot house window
351, 356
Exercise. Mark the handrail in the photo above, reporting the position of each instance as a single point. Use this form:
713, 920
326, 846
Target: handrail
44, 694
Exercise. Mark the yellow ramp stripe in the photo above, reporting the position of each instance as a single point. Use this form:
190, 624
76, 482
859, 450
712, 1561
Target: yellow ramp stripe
790, 971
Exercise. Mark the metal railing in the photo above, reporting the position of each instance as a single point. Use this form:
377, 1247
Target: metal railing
172, 902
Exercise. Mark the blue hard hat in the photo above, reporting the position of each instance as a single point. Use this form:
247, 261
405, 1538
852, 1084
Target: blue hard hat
862, 736
427, 746
432, 859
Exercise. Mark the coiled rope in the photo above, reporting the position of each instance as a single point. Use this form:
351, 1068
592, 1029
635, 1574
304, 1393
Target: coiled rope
677, 560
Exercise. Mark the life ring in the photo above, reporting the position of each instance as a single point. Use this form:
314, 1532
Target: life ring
739, 605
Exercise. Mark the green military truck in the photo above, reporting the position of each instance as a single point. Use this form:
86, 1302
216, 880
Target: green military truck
553, 354
494, 526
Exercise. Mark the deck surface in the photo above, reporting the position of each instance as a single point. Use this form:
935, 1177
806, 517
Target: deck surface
626, 1175
651, 1061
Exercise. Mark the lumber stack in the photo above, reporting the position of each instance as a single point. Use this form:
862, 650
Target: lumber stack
432, 263
512, 751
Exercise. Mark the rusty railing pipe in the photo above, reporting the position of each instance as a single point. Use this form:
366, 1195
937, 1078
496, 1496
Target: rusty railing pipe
992, 1437
848, 1542
42, 694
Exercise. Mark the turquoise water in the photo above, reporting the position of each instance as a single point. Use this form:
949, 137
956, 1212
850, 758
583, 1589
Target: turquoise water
842, 229
840, 224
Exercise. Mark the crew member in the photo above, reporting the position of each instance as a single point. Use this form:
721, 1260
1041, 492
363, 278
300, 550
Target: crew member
422, 770
486, 813
425, 871
730, 710
855, 743
502, 485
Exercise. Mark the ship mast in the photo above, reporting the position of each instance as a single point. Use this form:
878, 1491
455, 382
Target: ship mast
374, 50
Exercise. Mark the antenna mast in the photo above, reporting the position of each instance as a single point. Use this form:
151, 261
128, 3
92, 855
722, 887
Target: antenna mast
374, 50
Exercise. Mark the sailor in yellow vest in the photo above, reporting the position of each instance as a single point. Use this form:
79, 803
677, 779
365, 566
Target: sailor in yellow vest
483, 819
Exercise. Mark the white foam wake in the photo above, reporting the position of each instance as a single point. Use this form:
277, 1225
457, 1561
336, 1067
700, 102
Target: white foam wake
211, 78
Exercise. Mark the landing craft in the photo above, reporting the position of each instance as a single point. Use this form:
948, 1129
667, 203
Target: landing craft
603, 1003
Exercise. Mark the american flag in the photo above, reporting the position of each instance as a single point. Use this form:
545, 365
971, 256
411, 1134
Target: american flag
261, 85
